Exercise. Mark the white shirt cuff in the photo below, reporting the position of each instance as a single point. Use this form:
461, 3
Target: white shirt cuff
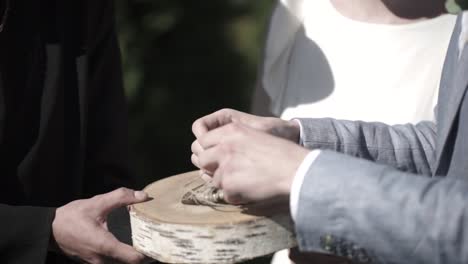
298, 180
301, 131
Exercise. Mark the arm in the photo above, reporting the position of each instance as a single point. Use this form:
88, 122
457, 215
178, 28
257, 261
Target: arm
409, 148
373, 212
77, 229
347, 206
406, 147
25, 233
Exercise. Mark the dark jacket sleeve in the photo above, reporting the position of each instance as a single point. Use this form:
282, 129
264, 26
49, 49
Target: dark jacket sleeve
25, 233
106, 165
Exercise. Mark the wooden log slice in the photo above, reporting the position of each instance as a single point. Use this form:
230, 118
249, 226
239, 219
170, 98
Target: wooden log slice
169, 231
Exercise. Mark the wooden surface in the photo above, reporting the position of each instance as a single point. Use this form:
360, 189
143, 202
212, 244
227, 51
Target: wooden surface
169, 231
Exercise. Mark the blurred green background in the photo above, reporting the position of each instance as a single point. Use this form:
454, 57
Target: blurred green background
183, 59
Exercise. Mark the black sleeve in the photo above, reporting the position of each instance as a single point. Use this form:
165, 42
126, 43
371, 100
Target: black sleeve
106, 166
24, 233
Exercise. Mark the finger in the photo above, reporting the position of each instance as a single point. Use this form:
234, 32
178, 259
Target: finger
118, 198
199, 127
209, 159
91, 259
196, 147
216, 179
206, 177
112, 248
235, 199
212, 121
220, 135
194, 159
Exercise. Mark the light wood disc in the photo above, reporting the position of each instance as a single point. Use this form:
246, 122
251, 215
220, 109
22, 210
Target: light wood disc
169, 231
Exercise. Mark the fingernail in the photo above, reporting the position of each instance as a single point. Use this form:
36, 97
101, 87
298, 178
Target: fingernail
140, 195
206, 177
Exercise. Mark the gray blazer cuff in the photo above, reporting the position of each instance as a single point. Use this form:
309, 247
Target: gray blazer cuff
372, 213
322, 224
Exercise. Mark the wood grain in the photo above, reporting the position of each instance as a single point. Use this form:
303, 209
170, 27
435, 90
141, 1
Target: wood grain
169, 231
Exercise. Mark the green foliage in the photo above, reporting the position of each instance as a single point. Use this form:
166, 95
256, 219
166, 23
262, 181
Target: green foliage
456, 6
183, 59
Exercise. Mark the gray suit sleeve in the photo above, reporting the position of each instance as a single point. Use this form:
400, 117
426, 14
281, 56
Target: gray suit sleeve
409, 148
374, 213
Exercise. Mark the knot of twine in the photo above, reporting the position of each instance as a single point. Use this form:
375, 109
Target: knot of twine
204, 194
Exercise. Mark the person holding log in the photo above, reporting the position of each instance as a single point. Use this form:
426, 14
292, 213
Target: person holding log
370, 192
62, 133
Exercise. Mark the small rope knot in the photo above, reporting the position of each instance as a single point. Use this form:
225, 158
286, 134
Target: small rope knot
204, 194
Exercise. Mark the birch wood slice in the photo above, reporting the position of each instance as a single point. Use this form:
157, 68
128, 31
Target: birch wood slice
169, 231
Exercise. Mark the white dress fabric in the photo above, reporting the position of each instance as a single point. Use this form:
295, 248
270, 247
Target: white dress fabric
319, 63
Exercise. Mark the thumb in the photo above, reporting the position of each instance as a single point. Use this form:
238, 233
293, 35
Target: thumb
119, 198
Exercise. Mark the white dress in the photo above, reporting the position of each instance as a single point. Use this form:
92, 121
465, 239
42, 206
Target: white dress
332, 66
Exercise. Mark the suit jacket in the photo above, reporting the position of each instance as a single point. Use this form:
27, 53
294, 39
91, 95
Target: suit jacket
80, 146
392, 194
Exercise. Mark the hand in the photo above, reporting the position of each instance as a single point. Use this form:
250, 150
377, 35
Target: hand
289, 130
80, 228
249, 165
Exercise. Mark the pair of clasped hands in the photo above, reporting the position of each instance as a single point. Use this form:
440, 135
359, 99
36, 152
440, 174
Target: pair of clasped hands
250, 158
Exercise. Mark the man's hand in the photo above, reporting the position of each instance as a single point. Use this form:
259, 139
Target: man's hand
275, 126
249, 165
80, 228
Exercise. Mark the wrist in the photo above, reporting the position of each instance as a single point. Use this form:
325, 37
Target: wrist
299, 158
53, 246
298, 180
